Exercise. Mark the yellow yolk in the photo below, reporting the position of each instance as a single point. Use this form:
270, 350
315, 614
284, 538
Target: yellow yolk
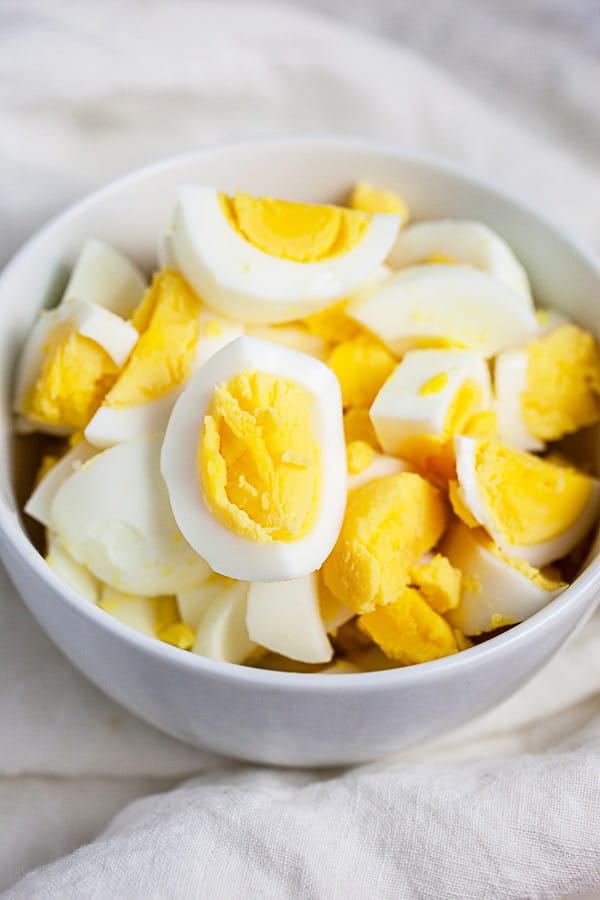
168, 319
409, 630
374, 200
389, 523
332, 324
358, 427
168, 625
563, 383
359, 456
441, 259
482, 424
48, 462
362, 365
439, 582
76, 375
301, 232
259, 458
529, 500
434, 385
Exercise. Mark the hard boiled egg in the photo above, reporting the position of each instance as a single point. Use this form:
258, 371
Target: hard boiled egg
178, 335
461, 241
379, 466
271, 261
254, 461
113, 516
39, 504
534, 509
446, 305
222, 631
496, 590
105, 277
510, 383
76, 575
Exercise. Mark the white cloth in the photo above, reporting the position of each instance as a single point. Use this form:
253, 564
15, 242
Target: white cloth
510, 805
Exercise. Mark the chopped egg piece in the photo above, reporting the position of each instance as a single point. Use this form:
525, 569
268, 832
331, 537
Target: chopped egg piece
362, 366
254, 461
370, 199
76, 575
379, 466
40, 502
270, 261
470, 243
359, 456
334, 613
222, 632
332, 324
168, 626
105, 277
359, 427
113, 515
496, 590
389, 523
533, 509
510, 382
133, 610
446, 305
71, 359
439, 582
285, 617
409, 630
194, 603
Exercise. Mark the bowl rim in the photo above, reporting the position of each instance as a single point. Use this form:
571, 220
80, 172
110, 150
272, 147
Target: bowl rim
13, 538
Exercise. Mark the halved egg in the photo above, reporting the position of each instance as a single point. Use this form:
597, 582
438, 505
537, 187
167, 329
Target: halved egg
446, 305
534, 509
272, 261
254, 461
470, 243
104, 276
178, 335
71, 358
496, 590
113, 516
285, 617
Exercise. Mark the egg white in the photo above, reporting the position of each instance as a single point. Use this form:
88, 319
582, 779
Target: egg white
222, 632
105, 277
39, 504
76, 575
510, 380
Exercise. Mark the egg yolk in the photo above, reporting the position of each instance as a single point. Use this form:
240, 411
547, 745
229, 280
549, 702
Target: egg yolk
389, 523
75, 376
362, 365
359, 427
439, 582
300, 232
259, 458
359, 456
332, 324
529, 500
409, 630
548, 579
563, 383
374, 200
168, 319
168, 625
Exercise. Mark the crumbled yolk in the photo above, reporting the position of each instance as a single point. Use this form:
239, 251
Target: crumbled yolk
76, 375
563, 383
389, 523
374, 200
332, 324
530, 500
168, 625
362, 365
439, 582
168, 319
409, 630
359, 456
301, 232
259, 458
482, 424
359, 427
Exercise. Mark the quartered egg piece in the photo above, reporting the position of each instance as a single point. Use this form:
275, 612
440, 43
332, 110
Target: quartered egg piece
285, 617
510, 382
40, 502
496, 590
379, 466
76, 575
270, 261
254, 461
70, 360
178, 335
194, 603
534, 509
103, 276
222, 632
114, 517
470, 243
446, 305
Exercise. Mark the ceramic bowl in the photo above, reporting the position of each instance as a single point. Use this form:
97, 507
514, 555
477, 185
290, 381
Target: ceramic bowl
265, 716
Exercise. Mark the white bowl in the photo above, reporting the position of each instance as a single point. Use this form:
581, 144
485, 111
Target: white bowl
264, 716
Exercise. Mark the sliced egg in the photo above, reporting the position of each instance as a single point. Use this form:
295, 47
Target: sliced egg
254, 461
70, 360
496, 590
446, 305
285, 617
222, 631
510, 382
76, 575
39, 504
105, 277
178, 335
272, 261
114, 517
534, 509
471, 243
